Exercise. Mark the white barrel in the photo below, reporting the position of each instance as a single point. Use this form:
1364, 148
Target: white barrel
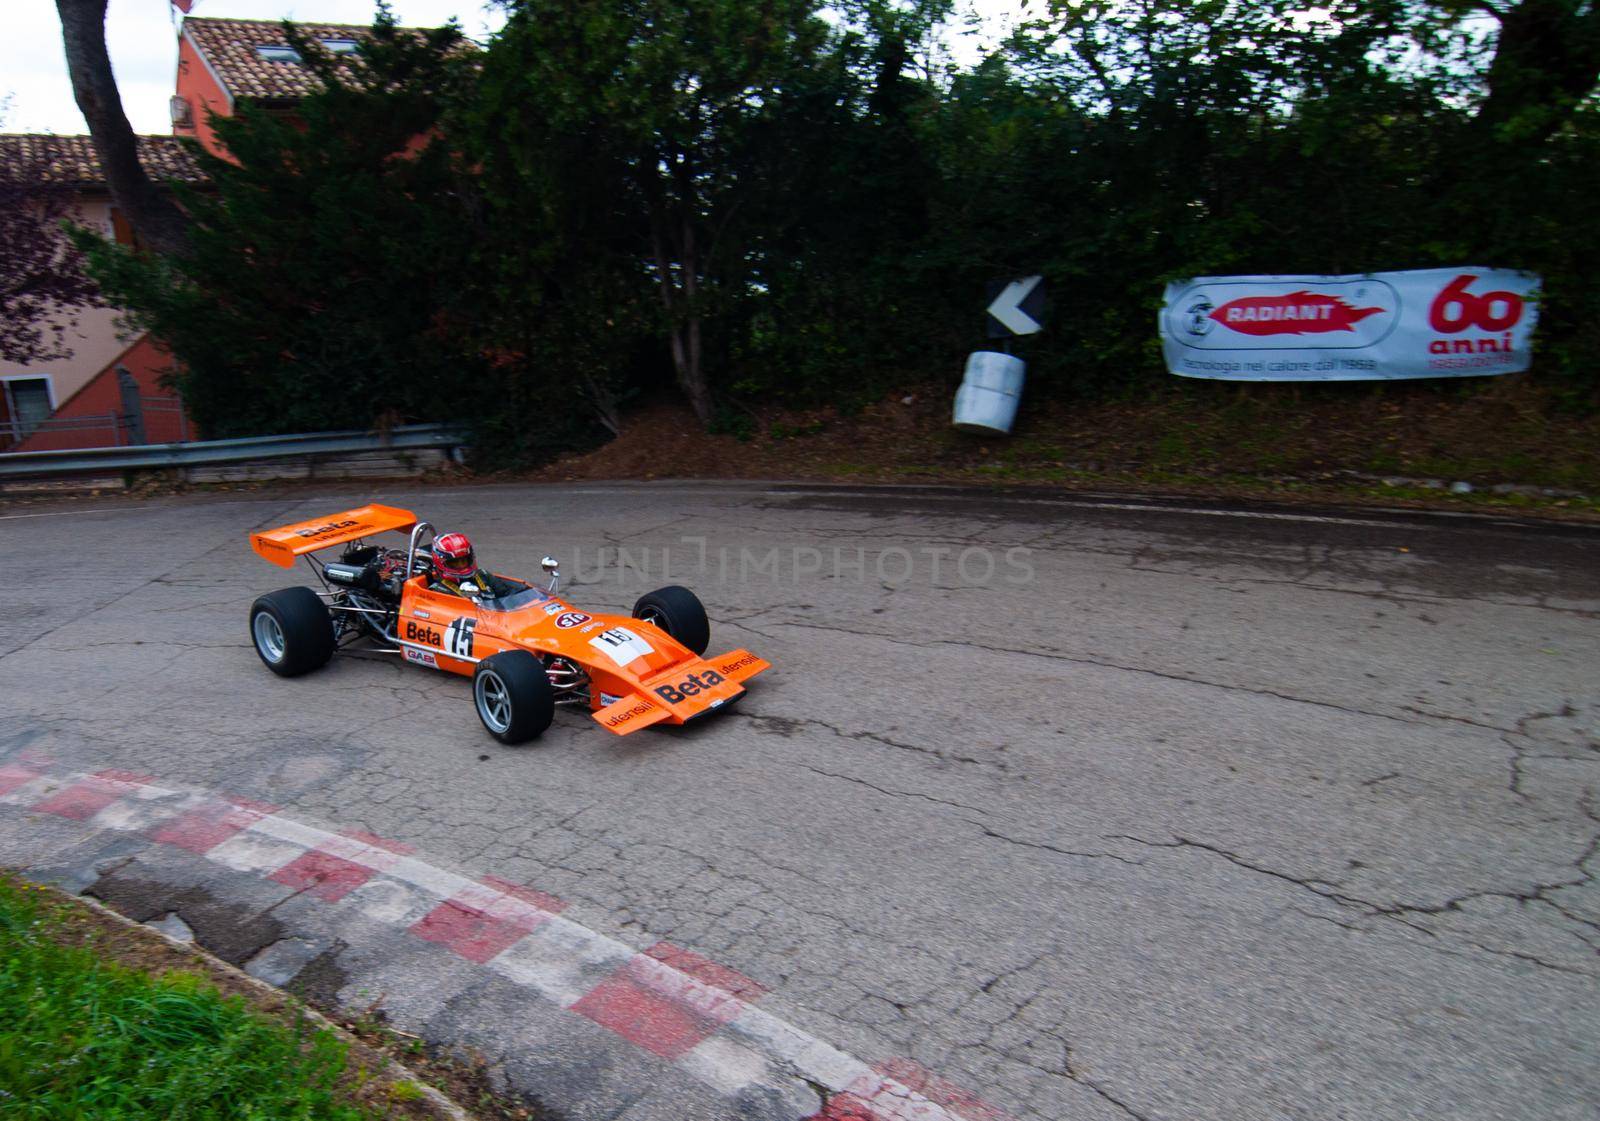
987, 399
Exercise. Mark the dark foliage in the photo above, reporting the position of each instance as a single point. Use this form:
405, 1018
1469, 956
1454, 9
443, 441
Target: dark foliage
325, 280
698, 198
42, 278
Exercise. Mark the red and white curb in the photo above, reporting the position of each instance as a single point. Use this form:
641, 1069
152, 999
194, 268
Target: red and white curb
669, 1001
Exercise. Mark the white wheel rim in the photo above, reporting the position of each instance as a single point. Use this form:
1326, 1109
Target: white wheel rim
268, 636
494, 700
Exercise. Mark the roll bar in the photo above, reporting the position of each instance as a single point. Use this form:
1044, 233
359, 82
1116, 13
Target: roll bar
411, 546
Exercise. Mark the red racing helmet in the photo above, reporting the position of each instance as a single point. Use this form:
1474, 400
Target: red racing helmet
453, 556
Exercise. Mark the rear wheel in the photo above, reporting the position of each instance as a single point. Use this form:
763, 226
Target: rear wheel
679, 612
292, 630
513, 696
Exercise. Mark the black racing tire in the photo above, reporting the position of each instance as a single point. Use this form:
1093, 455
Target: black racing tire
679, 612
292, 631
513, 696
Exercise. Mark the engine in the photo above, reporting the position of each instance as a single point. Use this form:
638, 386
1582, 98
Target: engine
368, 568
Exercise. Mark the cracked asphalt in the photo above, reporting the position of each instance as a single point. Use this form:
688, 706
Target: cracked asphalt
1131, 809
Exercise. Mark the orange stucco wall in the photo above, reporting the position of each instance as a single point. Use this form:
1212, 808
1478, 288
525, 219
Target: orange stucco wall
147, 361
205, 96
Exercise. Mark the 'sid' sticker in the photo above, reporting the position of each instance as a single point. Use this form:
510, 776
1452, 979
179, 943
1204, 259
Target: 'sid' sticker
421, 657
621, 645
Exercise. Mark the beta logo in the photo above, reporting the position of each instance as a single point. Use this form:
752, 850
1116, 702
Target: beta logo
423, 634
694, 684
331, 527
1298, 313
570, 619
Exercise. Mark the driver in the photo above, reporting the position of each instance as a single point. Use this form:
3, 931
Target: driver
455, 567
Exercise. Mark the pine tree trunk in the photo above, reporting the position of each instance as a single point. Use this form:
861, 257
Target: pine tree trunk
683, 326
153, 215
692, 377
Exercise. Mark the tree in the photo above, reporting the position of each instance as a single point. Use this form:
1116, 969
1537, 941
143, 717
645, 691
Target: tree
152, 213
647, 106
1546, 62
1527, 65
324, 279
42, 278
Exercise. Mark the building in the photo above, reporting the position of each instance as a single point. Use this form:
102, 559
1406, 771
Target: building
222, 64
57, 388
225, 62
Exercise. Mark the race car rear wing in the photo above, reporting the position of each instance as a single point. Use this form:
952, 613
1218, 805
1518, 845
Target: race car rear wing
282, 545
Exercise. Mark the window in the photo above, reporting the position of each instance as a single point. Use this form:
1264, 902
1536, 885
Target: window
340, 46
28, 402
279, 54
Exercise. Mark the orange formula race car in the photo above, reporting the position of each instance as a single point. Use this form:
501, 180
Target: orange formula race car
525, 649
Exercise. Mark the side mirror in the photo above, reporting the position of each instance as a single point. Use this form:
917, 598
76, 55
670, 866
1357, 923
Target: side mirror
549, 565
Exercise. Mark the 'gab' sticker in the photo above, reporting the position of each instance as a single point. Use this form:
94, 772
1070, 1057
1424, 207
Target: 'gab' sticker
422, 658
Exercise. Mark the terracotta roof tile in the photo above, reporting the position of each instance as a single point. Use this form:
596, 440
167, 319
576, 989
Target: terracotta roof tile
72, 160
230, 47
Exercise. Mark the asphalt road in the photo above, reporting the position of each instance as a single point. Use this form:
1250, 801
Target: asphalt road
1161, 810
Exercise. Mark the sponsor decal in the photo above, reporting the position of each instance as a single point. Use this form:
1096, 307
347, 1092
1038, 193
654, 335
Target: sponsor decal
423, 634
554, 607
1455, 310
643, 708
458, 637
570, 619
590, 627
738, 664
421, 657
331, 527
621, 645
1298, 313
609, 699
1448, 322
690, 686
422, 614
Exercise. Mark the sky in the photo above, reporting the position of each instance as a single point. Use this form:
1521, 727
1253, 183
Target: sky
35, 95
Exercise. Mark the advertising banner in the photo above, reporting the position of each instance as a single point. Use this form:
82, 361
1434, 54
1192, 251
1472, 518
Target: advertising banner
1423, 323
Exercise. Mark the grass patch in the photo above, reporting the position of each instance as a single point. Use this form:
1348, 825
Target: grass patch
82, 1038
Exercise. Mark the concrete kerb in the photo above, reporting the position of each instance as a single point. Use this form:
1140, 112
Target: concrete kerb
675, 1010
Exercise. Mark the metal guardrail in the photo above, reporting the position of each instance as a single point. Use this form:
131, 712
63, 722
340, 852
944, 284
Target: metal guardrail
155, 456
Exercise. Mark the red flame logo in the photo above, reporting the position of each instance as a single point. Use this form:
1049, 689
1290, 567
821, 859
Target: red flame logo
1298, 313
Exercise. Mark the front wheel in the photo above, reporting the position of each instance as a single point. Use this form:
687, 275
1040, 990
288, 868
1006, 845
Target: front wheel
679, 612
513, 696
292, 630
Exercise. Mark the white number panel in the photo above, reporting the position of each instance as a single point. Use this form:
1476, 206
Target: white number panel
621, 645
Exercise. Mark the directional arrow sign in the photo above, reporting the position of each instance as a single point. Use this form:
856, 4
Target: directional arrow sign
1017, 307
